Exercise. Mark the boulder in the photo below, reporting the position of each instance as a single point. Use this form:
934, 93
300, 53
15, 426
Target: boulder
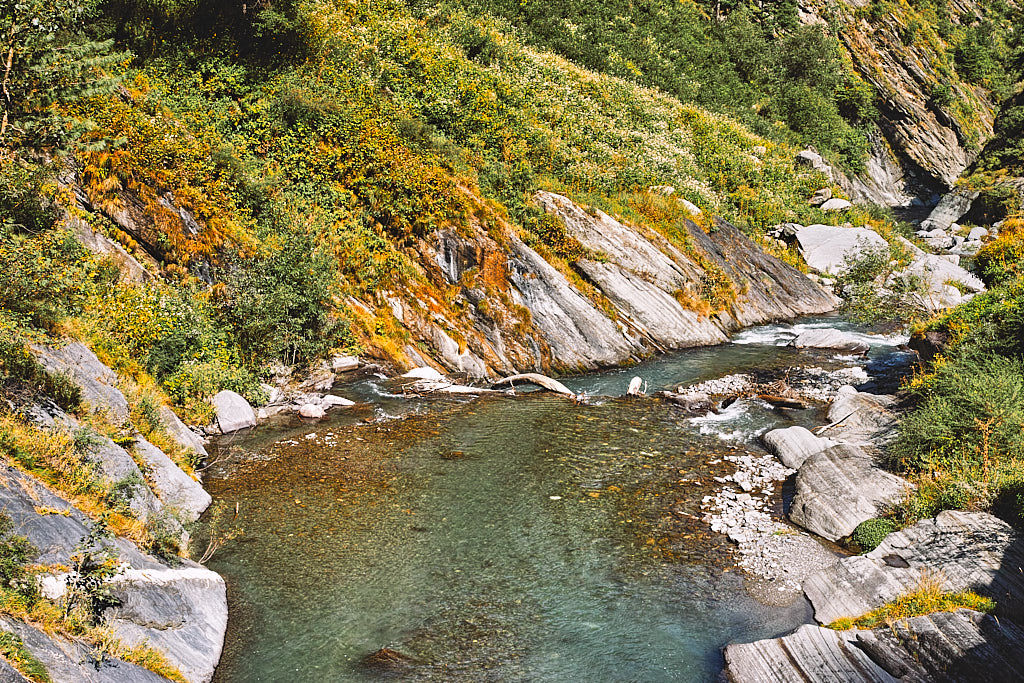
829, 338
962, 550
97, 382
977, 234
175, 488
949, 210
330, 401
793, 445
233, 412
836, 204
692, 208
860, 418
311, 410
950, 646
840, 487
636, 387
427, 373
344, 363
828, 249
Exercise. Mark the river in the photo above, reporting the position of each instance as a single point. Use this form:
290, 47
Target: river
524, 538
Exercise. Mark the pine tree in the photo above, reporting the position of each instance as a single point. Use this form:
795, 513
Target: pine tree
47, 62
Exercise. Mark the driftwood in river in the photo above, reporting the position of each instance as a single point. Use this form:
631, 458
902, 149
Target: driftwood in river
539, 380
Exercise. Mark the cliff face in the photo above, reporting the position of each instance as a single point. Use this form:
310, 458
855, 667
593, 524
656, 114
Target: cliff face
932, 123
635, 294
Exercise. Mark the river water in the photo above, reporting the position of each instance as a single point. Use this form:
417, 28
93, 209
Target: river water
500, 538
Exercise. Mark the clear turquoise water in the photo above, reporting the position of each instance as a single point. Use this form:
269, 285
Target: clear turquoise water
499, 539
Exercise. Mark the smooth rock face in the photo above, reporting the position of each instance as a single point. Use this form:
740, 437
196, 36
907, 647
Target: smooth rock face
68, 661
175, 488
177, 430
97, 382
344, 363
839, 488
830, 339
963, 550
948, 646
181, 611
233, 412
827, 248
329, 401
793, 445
186, 605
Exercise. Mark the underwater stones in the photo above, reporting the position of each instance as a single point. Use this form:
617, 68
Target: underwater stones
233, 412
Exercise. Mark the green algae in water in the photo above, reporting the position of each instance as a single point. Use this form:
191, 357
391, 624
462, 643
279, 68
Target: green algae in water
500, 539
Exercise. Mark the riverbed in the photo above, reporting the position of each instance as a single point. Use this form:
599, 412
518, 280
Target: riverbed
502, 537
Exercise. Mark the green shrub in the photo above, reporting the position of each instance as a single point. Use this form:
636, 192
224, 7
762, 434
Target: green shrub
15, 552
14, 651
871, 532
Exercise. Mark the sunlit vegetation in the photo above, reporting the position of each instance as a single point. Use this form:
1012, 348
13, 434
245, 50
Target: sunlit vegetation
927, 597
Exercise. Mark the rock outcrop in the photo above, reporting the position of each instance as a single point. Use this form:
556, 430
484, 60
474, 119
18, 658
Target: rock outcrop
173, 486
949, 646
97, 382
961, 550
860, 418
840, 487
830, 338
951, 208
180, 611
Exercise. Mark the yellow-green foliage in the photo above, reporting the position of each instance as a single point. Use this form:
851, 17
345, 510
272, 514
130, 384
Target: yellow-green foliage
926, 598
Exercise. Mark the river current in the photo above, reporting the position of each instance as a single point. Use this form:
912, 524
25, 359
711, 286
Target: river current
498, 538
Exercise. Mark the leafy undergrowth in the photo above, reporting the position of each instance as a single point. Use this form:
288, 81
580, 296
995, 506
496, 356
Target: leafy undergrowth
14, 651
926, 598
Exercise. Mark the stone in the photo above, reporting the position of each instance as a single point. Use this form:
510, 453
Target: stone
636, 387
311, 411
97, 382
840, 487
233, 412
978, 233
427, 373
793, 445
860, 418
836, 204
962, 550
690, 207
830, 338
172, 485
949, 646
344, 363
950, 209
828, 249
820, 197
330, 401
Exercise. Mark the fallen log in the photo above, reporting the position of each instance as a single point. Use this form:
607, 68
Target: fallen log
782, 402
538, 380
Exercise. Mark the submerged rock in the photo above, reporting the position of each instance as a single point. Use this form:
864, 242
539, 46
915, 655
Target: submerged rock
839, 488
233, 412
961, 550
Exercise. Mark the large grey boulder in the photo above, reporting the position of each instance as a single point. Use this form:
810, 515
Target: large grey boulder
175, 488
233, 412
186, 605
97, 382
839, 488
828, 249
949, 646
860, 418
961, 550
949, 210
793, 445
829, 338
836, 204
